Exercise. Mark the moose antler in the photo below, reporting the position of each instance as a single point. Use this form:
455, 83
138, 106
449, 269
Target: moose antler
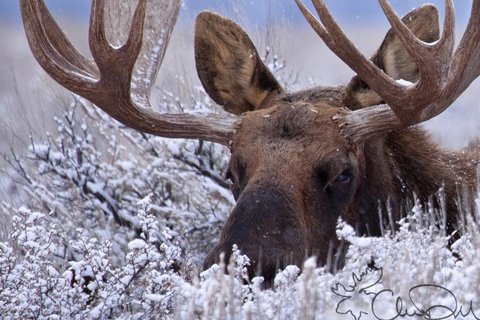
107, 82
444, 75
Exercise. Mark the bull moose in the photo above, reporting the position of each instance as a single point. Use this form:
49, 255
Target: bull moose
299, 160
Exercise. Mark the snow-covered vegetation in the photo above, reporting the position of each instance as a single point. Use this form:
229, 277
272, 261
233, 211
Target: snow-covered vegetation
102, 222
414, 273
117, 223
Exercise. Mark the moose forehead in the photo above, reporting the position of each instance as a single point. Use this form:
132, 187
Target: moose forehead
291, 127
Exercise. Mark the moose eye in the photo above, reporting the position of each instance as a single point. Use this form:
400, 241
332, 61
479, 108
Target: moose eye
234, 187
344, 178
230, 178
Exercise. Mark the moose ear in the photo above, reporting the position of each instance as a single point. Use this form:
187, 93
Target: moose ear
229, 66
393, 58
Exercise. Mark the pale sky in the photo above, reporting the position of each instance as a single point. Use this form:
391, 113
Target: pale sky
367, 11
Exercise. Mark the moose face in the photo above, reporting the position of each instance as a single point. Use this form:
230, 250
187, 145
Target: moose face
293, 176
292, 171
299, 160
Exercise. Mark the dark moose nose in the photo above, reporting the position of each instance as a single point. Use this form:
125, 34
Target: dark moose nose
264, 227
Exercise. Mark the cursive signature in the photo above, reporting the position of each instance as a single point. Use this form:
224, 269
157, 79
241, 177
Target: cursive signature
386, 305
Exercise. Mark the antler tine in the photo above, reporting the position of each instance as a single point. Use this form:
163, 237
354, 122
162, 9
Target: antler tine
97, 39
447, 40
466, 60
339, 43
333, 36
135, 38
103, 53
454, 74
314, 23
364, 124
149, 63
432, 61
110, 87
60, 42
417, 48
108, 58
464, 65
61, 68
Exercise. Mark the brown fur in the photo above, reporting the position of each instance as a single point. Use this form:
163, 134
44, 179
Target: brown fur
294, 174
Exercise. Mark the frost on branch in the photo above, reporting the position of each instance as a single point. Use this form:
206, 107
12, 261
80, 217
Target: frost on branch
37, 282
90, 176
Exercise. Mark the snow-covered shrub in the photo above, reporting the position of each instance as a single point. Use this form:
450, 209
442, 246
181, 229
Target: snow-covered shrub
91, 175
413, 272
35, 284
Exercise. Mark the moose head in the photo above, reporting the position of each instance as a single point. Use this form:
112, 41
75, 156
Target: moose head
299, 160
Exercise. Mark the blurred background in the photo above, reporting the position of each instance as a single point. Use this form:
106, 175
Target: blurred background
29, 99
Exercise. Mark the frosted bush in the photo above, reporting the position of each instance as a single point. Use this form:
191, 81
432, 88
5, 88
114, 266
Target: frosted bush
90, 177
36, 282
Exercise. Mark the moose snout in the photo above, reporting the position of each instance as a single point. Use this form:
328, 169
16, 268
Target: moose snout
265, 227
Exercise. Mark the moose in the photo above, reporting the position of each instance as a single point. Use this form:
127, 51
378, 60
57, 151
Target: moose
299, 160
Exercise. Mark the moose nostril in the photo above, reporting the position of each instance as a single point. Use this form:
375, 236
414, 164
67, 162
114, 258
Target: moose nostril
264, 227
